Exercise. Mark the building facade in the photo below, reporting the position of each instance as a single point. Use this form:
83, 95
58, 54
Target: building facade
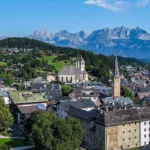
144, 133
70, 74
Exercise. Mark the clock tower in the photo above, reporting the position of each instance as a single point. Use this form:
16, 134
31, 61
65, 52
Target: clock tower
116, 85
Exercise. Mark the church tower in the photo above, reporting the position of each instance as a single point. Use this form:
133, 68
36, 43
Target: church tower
116, 85
80, 63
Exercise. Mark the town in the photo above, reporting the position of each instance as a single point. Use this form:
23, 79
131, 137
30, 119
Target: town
113, 115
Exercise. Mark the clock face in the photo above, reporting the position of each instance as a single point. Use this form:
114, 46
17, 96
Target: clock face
116, 84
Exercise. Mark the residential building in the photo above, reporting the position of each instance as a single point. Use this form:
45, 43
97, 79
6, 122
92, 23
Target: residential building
49, 90
50, 77
85, 104
86, 119
86, 93
25, 102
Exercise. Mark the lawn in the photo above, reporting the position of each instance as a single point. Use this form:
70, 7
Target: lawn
3, 64
49, 58
58, 65
13, 142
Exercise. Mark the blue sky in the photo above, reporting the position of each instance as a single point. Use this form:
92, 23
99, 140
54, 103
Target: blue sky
22, 17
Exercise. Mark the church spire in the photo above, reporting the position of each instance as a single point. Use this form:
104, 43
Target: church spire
117, 74
116, 85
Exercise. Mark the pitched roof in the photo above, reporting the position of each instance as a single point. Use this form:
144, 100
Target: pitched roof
121, 100
116, 117
85, 92
88, 115
86, 103
70, 70
143, 95
27, 109
44, 86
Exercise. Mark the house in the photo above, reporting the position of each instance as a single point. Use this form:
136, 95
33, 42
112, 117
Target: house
85, 104
116, 130
116, 102
140, 96
25, 102
70, 74
86, 93
86, 119
5, 96
50, 77
1, 81
49, 90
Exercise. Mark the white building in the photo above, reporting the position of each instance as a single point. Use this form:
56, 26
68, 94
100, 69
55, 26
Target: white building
144, 133
86, 105
70, 74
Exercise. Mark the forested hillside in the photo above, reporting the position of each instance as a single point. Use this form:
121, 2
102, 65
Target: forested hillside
97, 65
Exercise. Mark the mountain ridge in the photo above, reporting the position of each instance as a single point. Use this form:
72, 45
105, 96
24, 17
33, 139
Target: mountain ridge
119, 40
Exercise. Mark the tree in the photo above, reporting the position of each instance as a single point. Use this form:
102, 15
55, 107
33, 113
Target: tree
65, 89
6, 119
49, 132
127, 93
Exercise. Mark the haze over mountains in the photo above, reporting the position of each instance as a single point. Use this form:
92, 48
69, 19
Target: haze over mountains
120, 40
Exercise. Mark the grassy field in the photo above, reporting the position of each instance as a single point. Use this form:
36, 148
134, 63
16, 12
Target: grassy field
13, 142
3, 64
58, 65
49, 58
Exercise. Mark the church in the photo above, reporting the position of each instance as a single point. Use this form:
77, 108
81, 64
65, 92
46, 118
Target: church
71, 74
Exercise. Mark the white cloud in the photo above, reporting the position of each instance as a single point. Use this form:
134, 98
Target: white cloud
143, 3
117, 5
113, 5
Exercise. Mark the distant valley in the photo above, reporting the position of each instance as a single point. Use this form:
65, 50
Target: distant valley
118, 41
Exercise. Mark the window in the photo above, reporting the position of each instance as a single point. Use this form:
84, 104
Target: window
145, 135
129, 131
123, 139
123, 131
111, 148
135, 137
129, 138
144, 143
121, 147
135, 123
135, 130
144, 123
145, 129
128, 146
136, 144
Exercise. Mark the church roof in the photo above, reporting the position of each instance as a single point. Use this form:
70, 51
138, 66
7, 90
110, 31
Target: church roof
84, 72
70, 70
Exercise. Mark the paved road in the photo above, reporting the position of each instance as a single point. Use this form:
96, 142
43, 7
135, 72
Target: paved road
3, 137
23, 148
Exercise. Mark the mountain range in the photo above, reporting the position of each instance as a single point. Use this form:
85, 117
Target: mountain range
119, 41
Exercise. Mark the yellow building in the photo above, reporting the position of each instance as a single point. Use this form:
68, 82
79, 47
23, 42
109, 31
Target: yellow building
118, 130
